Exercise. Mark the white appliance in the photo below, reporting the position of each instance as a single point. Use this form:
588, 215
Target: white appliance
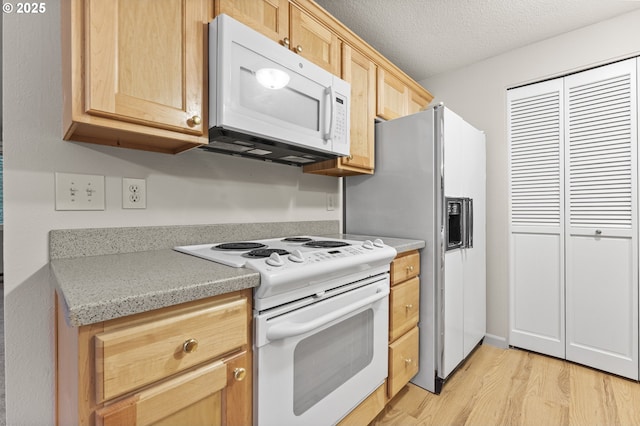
429, 184
321, 317
268, 103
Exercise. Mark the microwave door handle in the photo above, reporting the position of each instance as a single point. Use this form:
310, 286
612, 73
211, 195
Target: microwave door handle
329, 135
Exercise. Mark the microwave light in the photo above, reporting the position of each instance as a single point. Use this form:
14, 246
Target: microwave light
272, 78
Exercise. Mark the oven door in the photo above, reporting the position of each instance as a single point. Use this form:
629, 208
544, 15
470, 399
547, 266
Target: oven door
318, 362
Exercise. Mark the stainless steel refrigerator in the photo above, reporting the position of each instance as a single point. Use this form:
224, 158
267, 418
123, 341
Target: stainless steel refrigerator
429, 184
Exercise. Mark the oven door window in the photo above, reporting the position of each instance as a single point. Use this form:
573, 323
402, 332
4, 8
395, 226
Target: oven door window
326, 360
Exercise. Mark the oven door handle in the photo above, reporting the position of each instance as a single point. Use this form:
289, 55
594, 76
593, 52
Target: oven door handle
289, 329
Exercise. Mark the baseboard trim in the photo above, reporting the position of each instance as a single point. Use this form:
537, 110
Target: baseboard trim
497, 341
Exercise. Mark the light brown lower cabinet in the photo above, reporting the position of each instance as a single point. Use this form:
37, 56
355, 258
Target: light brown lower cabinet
403, 361
187, 364
368, 409
404, 335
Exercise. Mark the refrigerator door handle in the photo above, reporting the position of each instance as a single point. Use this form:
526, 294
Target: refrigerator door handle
469, 223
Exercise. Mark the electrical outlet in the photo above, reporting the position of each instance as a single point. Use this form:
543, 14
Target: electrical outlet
134, 193
79, 192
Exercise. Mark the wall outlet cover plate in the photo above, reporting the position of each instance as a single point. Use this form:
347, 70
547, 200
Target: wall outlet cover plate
134, 193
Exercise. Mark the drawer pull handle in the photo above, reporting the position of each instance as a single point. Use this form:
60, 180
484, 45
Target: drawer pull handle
239, 374
407, 362
409, 306
410, 268
190, 346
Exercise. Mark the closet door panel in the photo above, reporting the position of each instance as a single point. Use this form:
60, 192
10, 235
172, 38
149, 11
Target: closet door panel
602, 305
601, 187
538, 293
536, 262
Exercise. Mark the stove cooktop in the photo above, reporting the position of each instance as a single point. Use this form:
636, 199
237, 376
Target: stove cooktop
298, 265
237, 254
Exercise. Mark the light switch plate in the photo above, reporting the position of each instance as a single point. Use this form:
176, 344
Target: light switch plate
79, 192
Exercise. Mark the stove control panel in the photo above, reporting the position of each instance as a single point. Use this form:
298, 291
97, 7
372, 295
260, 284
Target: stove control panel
298, 258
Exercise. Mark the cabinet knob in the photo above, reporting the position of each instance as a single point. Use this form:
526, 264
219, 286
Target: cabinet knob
299, 49
190, 346
407, 362
196, 120
239, 374
350, 157
286, 42
409, 306
410, 268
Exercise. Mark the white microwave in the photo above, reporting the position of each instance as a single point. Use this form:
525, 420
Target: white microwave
267, 102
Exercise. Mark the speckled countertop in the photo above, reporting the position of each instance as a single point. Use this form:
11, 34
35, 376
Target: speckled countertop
99, 288
102, 275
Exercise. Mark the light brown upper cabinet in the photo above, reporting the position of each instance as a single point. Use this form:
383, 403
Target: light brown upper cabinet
269, 17
290, 26
134, 73
314, 41
396, 98
360, 71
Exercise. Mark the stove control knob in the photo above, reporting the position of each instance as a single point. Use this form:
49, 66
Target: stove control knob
296, 256
368, 245
378, 243
275, 260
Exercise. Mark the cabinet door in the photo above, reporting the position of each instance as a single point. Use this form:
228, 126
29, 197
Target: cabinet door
191, 398
360, 71
536, 258
269, 17
145, 62
314, 41
218, 393
602, 220
393, 96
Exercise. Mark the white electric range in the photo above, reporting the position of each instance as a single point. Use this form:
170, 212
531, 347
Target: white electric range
321, 323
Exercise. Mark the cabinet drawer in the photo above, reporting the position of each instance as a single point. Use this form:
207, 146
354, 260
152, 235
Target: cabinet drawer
403, 361
135, 355
404, 267
404, 313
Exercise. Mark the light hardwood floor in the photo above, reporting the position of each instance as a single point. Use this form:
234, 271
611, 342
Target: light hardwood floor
516, 387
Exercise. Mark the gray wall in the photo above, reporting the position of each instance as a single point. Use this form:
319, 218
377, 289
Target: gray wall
478, 93
190, 188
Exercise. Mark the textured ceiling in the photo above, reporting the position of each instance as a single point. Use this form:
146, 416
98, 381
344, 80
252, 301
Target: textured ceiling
428, 37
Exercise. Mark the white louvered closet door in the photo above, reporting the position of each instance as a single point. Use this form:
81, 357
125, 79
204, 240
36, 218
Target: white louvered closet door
535, 128
602, 219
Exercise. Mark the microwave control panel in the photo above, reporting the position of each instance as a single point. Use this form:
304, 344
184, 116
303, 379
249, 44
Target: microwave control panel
341, 128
